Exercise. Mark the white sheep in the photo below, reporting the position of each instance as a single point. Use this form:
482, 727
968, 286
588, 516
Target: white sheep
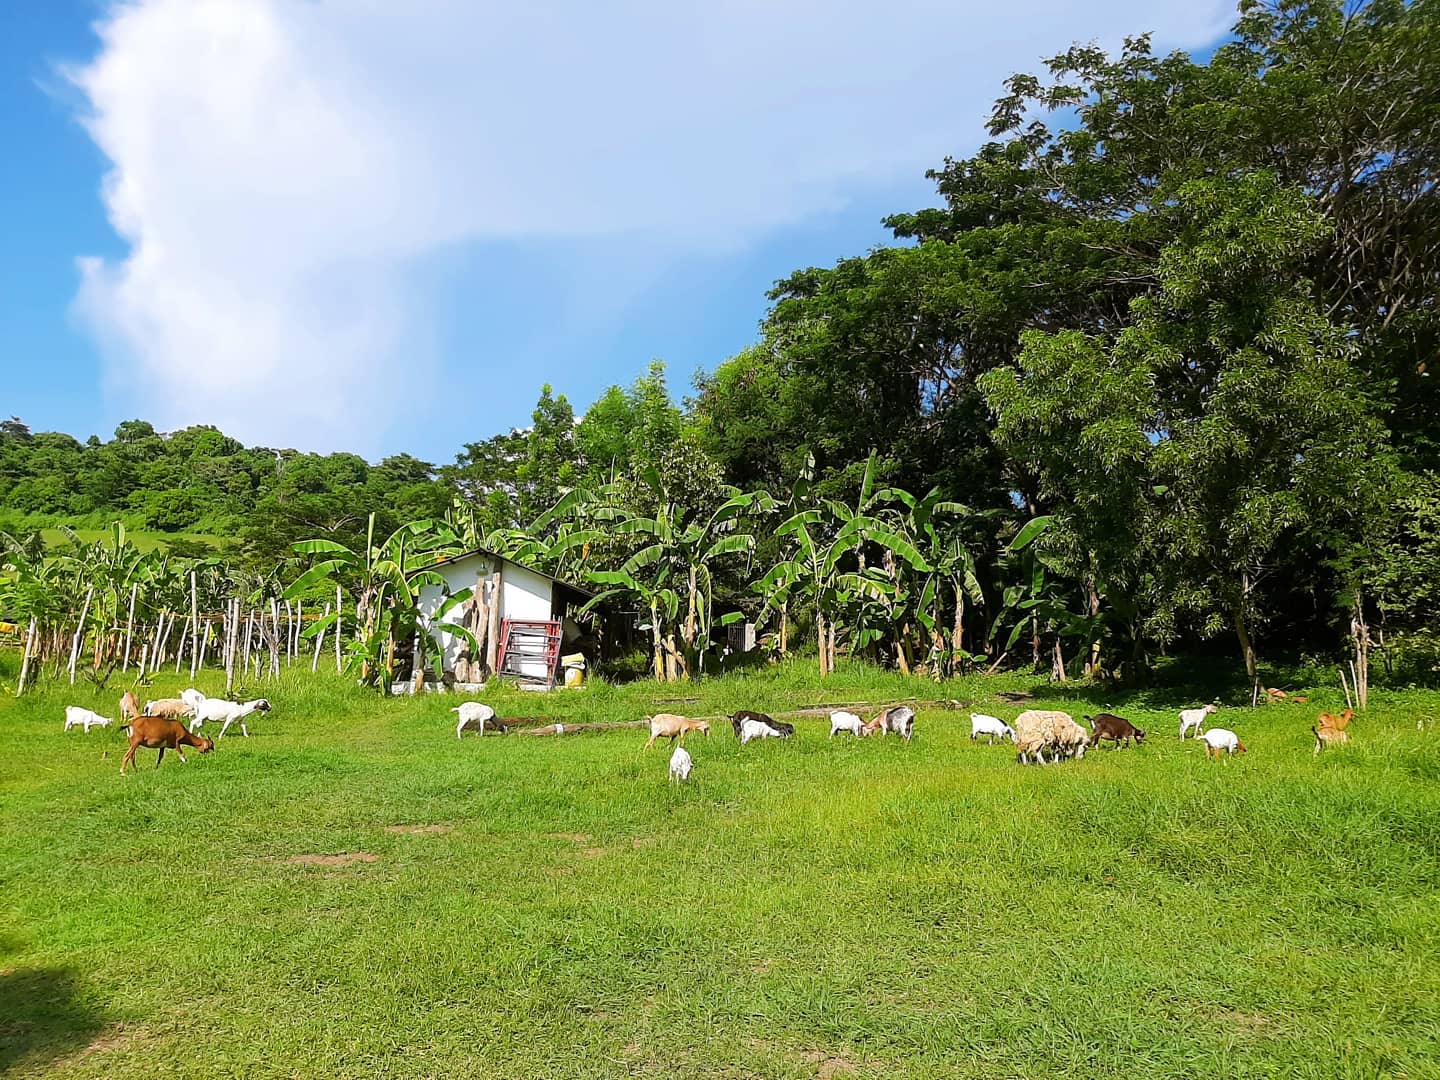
1038, 730
225, 713
1193, 719
756, 729
75, 716
993, 726
1218, 739
680, 765
473, 714
845, 721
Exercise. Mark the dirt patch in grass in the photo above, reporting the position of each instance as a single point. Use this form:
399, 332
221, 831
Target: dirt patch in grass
118, 1037
827, 1064
344, 858
419, 830
644, 841
593, 852
573, 837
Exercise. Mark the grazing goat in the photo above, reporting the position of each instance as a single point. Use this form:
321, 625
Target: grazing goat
873, 727
1192, 719
156, 732
129, 710
1115, 728
898, 718
1218, 739
846, 721
473, 714
226, 713
755, 729
680, 765
993, 726
193, 698
75, 716
169, 708
780, 727
670, 726
1330, 730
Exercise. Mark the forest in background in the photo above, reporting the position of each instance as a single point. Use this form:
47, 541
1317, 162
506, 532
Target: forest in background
1154, 378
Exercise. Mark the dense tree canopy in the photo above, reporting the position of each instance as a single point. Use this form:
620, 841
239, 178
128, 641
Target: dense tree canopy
1179, 315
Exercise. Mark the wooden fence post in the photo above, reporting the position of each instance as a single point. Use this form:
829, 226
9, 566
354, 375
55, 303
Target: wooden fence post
129, 625
79, 633
25, 660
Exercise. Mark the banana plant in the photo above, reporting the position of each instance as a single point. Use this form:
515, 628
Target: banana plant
384, 581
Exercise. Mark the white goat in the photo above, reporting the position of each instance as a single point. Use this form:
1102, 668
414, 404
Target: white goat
1193, 719
226, 713
680, 765
473, 714
993, 726
845, 721
75, 716
193, 698
755, 729
1218, 739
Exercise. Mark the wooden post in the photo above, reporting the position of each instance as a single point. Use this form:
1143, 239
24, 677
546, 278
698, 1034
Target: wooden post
204, 647
25, 660
492, 632
249, 633
129, 626
194, 627
231, 636
289, 629
319, 644
339, 625
275, 637
79, 633
144, 657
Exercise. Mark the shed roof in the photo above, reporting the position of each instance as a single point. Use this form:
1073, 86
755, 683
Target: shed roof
487, 553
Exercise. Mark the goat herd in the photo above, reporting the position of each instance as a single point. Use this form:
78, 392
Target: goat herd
158, 726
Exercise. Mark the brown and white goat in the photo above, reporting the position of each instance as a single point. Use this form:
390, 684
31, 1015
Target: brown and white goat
159, 733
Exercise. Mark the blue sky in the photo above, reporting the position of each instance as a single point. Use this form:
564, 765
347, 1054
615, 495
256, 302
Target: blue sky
336, 226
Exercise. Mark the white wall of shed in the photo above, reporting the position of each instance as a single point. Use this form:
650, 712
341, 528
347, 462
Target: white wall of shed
458, 575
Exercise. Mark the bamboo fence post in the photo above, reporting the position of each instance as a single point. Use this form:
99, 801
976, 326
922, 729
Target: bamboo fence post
79, 632
232, 636
339, 625
168, 619
129, 625
275, 638
295, 631
25, 660
180, 646
289, 630
195, 627
249, 633
319, 643
204, 646
1346, 687
154, 643
144, 657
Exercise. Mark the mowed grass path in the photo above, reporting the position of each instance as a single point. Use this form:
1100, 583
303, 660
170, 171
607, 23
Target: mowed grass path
552, 907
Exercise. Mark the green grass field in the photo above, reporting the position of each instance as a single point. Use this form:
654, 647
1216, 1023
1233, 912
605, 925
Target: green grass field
351, 892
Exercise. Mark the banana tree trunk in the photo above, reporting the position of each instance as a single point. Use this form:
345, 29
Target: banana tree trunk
957, 631
824, 650
659, 649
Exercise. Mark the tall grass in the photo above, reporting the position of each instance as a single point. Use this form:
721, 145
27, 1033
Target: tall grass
801, 908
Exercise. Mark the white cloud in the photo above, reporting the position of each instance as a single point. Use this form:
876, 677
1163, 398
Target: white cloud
280, 168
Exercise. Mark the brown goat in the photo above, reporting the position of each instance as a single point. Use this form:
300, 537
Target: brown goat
129, 708
668, 725
1115, 728
156, 732
1336, 722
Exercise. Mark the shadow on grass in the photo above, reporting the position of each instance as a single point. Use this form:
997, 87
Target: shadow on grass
42, 1018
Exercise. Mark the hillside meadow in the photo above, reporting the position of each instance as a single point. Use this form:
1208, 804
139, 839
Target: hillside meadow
353, 892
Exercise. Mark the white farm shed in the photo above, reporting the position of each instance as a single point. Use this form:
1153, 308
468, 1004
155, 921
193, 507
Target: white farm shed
532, 610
